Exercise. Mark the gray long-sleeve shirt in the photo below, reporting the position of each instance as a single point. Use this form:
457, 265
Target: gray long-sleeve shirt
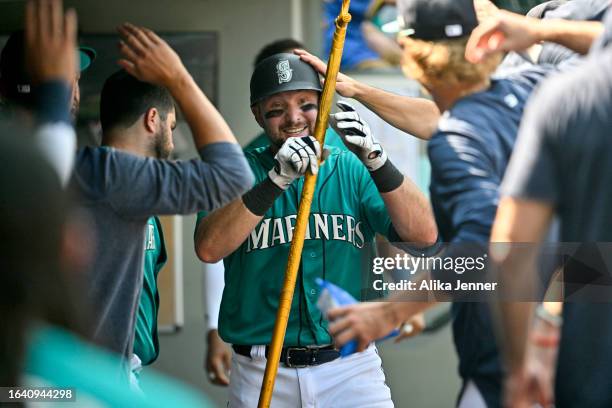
121, 191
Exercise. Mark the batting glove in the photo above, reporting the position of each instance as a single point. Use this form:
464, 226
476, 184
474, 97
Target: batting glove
295, 156
357, 136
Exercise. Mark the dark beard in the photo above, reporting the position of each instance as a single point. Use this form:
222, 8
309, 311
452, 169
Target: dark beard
160, 147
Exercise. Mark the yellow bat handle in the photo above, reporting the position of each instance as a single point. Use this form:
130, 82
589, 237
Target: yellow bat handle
299, 232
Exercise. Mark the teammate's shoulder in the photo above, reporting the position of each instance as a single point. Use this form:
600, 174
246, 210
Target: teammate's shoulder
453, 122
585, 90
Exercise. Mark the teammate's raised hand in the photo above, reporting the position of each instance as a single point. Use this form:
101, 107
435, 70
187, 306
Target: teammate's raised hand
345, 85
294, 158
505, 31
148, 57
50, 41
357, 136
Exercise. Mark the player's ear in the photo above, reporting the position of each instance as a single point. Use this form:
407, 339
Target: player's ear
151, 117
256, 109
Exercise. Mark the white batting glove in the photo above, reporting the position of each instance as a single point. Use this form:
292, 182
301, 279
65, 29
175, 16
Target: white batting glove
295, 156
357, 136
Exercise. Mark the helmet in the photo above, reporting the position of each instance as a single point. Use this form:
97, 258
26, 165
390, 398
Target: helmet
280, 73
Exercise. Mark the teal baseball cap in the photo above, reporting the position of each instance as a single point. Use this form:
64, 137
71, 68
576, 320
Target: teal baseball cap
15, 83
87, 55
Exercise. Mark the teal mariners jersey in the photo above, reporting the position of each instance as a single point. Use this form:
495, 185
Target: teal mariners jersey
146, 345
331, 139
347, 211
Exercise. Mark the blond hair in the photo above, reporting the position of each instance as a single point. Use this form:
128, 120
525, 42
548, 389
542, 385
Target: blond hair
443, 63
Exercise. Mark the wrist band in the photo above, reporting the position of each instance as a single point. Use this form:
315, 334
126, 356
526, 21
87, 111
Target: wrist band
261, 197
387, 178
53, 101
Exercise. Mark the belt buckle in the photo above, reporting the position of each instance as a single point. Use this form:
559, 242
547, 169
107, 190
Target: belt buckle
288, 362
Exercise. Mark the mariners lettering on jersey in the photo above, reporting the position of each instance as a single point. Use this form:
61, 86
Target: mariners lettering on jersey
277, 231
150, 239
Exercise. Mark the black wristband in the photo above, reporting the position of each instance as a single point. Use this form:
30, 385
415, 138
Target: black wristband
53, 102
387, 178
261, 197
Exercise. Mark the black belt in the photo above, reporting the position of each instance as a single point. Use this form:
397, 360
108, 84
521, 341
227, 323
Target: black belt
298, 357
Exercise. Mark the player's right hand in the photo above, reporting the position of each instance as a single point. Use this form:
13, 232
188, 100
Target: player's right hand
218, 359
149, 58
50, 41
294, 158
504, 32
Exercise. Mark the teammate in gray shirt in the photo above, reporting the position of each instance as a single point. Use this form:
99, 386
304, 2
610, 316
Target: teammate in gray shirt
562, 167
122, 190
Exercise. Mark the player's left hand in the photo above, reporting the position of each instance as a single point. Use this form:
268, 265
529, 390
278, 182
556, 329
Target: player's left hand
218, 359
357, 136
364, 322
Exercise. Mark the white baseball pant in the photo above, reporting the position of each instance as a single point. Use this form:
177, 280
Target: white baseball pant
354, 381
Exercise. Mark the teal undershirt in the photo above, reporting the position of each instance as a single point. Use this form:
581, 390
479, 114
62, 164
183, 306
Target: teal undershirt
146, 344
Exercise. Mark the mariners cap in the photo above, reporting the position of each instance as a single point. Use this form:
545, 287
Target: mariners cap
433, 20
15, 83
280, 73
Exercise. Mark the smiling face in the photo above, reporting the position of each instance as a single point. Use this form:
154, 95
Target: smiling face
287, 114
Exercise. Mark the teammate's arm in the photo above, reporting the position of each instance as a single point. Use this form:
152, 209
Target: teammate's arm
417, 116
411, 214
51, 60
518, 220
408, 208
224, 230
151, 59
513, 32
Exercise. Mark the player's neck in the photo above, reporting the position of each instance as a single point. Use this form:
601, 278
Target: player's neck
129, 142
446, 96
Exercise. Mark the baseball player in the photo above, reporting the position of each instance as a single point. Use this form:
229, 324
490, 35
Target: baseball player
131, 140
123, 190
567, 121
217, 361
358, 193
